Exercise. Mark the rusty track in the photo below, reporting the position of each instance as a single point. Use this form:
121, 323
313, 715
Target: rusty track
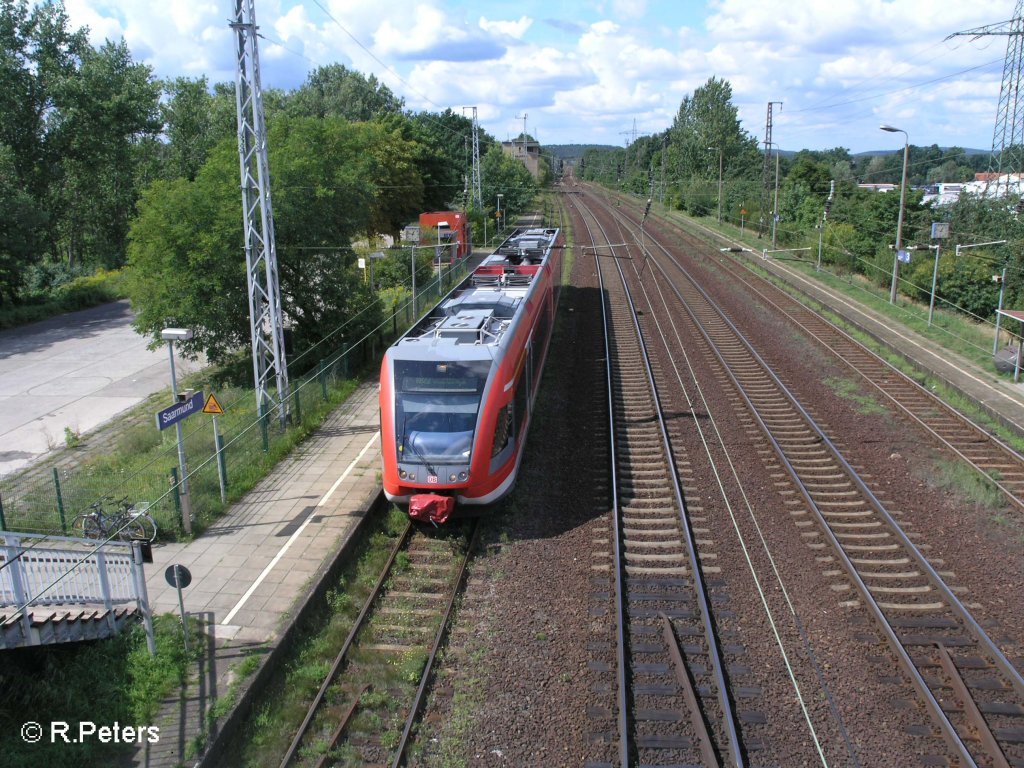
913, 606
404, 621
994, 460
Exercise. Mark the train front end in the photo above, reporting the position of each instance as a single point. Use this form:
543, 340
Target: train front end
430, 415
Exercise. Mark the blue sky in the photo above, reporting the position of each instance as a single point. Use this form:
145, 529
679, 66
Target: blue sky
588, 71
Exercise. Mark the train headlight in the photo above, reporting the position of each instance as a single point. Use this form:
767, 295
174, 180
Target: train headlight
463, 475
402, 473
412, 477
451, 478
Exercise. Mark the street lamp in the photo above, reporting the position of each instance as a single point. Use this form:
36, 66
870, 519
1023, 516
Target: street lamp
171, 335
719, 183
903, 203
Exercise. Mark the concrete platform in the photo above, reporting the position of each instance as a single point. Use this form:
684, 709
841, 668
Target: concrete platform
75, 371
253, 566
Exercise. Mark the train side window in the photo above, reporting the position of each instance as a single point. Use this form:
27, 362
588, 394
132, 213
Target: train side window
515, 414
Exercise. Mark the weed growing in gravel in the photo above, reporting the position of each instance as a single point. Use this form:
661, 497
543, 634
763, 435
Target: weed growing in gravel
850, 390
952, 475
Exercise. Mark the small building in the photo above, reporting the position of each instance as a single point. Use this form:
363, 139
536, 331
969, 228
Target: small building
527, 152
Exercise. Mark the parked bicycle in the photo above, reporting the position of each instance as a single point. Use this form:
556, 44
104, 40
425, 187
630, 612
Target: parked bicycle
127, 523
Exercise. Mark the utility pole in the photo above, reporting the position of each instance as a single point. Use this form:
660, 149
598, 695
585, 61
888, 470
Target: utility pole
266, 322
478, 195
775, 206
664, 152
766, 169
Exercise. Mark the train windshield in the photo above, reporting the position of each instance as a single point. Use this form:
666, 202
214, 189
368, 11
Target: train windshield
436, 406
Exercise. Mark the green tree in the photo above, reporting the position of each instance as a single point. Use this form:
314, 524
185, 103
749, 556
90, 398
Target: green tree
329, 178
103, 111
188, 120
708, 123
37, 52
336, 91
503, 174
20, 226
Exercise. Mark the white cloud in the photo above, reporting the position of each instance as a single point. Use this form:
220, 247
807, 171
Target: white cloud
585, 70
514, 29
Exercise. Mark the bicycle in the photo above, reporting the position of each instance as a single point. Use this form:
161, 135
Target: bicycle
127, 523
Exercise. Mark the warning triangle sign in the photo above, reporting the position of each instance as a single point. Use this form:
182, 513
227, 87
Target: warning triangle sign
212, 406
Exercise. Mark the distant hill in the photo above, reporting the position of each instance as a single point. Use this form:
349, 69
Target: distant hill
572, 151
967, 152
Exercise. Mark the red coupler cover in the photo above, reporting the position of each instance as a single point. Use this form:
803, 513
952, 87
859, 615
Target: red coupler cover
431, 507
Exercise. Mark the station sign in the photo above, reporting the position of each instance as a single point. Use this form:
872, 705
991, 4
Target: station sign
171, 416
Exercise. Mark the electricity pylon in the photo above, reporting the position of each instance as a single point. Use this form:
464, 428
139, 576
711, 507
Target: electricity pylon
1008, 136
266, 321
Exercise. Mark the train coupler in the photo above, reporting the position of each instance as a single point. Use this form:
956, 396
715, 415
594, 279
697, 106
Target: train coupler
431, 507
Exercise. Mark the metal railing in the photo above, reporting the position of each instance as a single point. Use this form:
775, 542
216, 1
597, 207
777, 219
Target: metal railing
40, 570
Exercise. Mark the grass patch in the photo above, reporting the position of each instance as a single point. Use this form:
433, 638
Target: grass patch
963, 479
78, 293
850, 390
101, 682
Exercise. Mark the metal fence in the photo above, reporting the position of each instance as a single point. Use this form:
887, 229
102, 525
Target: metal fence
221, 466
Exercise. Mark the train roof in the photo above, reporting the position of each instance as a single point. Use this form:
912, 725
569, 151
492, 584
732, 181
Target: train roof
475, 318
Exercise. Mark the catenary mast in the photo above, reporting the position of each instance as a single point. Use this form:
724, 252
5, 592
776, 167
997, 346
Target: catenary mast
270, 369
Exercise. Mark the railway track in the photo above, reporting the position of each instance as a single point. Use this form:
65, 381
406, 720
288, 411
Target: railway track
672, 703
994, 460
370, 699
975, 697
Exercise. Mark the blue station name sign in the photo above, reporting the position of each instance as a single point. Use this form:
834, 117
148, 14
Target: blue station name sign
171, 416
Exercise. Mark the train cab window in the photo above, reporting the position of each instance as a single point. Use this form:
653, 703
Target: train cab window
436, 408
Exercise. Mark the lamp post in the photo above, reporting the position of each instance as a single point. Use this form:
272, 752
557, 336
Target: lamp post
719, 149
903, 203
500, 227
171, 335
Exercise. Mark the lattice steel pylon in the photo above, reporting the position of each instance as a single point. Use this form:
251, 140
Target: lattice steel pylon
1008, 136
766, 173
270, 369
478, 195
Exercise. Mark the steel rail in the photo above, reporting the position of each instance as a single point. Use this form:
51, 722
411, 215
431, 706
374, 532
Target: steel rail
620, 592
933, 576
714, 653
743, 270
346, 646
439, 638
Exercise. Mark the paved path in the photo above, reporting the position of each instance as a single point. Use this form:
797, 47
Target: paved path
74, 371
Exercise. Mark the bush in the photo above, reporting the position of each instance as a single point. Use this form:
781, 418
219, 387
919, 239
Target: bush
90, 290
55, 290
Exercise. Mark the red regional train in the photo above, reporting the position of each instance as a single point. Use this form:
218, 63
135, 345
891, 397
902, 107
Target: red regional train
457, 390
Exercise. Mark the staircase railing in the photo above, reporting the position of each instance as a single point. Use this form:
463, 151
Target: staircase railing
39, 570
